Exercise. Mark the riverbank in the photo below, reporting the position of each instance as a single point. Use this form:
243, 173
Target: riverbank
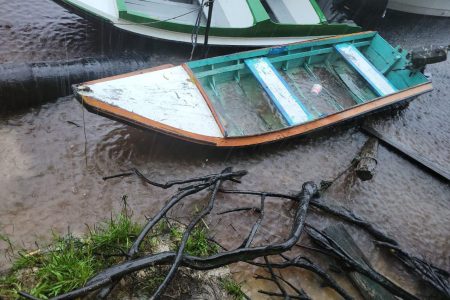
52, 172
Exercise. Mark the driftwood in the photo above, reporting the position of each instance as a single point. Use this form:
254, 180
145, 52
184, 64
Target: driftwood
104, 282
369, 289
336, 251
307, 264
336, 211
434, 276
109, 277
367, 160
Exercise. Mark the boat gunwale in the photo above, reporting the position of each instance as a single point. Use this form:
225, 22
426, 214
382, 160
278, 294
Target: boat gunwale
263, 51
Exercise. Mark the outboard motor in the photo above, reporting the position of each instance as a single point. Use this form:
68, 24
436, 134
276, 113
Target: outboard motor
365, 13
428, 55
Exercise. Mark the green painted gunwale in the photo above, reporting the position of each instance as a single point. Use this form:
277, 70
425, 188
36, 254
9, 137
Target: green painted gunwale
263, 26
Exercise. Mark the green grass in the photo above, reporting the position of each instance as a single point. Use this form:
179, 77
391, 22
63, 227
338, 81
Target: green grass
233, 288
198, 243
69, 262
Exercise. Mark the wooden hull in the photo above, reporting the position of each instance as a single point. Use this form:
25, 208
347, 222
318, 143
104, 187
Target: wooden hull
276, 96
135, 120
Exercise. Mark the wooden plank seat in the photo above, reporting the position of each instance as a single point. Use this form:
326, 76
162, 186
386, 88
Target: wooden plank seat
229, 13
287, 103
294, 11
162, 9
366, 69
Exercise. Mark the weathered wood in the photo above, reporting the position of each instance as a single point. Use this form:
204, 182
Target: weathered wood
411, 155
369, 289
367, 160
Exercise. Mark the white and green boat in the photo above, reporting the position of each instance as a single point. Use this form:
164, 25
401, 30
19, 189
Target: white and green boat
233, 22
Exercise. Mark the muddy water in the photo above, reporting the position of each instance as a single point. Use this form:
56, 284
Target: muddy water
51, 170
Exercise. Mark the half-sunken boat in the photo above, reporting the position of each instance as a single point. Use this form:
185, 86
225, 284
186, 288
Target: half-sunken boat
265, 95
233, 22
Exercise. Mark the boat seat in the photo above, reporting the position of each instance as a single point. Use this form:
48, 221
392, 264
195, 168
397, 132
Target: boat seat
162, 9
230, 13
278, 91
294, 11
366, 69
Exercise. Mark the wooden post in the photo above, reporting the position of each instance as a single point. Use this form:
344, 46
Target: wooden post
208, 26
367, 164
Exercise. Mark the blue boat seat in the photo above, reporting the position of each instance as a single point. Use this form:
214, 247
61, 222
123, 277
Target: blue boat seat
287, 103
366, 69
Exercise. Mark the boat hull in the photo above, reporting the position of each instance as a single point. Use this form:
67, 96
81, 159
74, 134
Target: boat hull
440, 8
364, 110
107, 11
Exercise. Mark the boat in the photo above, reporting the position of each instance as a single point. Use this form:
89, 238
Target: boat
265, 95
252, 23
440, 8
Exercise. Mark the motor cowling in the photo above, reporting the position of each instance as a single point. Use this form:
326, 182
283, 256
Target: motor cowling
423, 56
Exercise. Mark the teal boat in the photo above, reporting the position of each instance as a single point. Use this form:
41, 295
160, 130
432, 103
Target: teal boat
265, 95
233, 22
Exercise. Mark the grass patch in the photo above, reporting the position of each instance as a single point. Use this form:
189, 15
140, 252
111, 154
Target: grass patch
233, 288
70, 261
198, 243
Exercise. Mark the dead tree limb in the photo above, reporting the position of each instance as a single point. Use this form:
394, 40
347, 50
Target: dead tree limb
336, 251
184, 239
434, 276
304, 263
248, 241
337, 211
176, 259
171, 183
204, 183
300, 292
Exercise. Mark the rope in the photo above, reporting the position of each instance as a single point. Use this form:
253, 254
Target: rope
195, 30
160, 21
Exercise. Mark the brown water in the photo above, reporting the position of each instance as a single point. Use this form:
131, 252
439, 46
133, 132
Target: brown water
46, 183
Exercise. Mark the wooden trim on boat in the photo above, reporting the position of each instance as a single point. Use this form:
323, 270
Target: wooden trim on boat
206, 97
137, 120
138, 72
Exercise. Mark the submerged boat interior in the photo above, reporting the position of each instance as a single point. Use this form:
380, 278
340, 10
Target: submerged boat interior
297, 84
